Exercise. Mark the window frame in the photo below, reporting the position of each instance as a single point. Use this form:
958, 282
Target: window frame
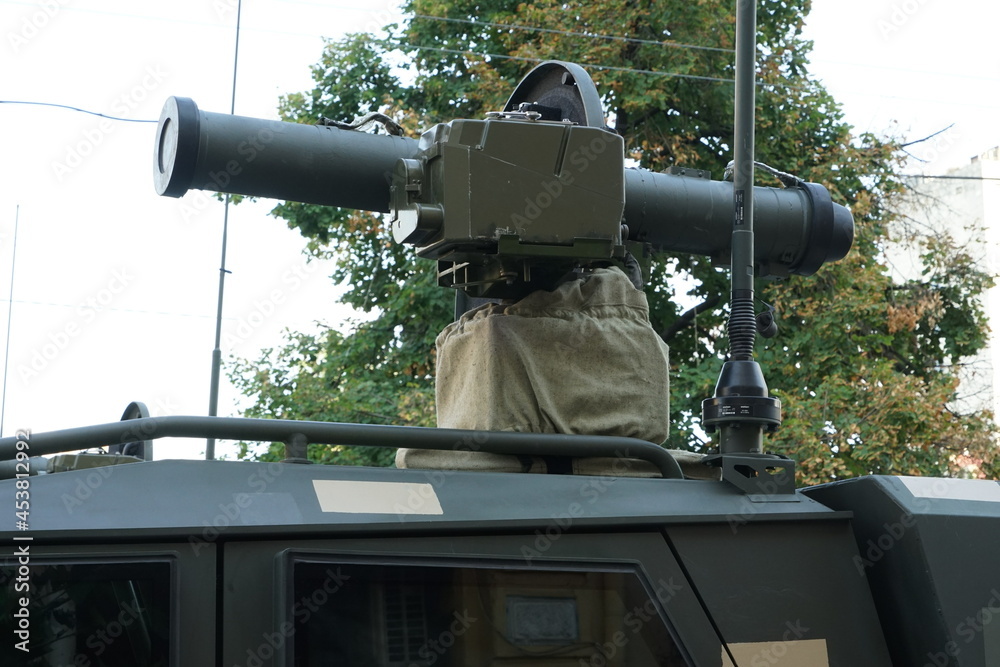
649, 557
191, 633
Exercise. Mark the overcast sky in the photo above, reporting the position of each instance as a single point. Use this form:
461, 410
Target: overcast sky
115, 288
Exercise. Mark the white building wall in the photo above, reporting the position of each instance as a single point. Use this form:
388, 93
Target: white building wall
966, 205
990, 165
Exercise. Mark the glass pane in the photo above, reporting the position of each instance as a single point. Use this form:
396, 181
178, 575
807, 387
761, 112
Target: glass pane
92, 614
405, 615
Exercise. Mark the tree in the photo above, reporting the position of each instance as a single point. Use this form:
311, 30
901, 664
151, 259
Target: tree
859, 364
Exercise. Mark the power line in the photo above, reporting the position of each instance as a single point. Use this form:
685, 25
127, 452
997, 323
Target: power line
587, 65
570, 33
103, 309
513, 26
173, 19
509, 57
71, 108
957, 178
613, 68
761, 84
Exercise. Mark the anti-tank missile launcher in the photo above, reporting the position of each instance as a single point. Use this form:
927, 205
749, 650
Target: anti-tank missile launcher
506, 204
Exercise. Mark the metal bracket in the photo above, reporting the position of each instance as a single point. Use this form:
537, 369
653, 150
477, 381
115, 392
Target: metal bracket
766, 475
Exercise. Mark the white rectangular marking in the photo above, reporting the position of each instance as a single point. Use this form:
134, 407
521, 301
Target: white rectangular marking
349, 497
794, 653
952, 489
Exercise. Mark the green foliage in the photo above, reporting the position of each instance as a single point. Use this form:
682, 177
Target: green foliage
861, 363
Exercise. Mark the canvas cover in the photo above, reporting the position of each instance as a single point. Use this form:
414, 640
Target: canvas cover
582, 358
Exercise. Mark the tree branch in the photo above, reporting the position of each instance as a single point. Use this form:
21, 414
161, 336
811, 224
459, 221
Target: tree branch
687, 318
929, 136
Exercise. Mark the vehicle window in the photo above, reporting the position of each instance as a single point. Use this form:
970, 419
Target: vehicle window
399, 615
86, 614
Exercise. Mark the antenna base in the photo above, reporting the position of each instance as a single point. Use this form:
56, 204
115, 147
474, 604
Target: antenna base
741, 409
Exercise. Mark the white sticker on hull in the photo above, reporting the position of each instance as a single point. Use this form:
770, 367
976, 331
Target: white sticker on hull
350, 497
795, 653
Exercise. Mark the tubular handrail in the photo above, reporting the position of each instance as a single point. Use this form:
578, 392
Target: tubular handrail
333, 433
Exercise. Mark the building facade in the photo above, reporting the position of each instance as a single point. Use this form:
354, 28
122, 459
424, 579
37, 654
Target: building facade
965, 202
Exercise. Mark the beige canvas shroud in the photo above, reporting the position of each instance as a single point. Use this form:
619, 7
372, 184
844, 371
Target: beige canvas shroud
581, 359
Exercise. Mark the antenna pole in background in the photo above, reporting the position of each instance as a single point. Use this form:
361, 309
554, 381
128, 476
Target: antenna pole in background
213, 394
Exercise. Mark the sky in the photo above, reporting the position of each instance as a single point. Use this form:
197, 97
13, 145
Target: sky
115, 288
913, 68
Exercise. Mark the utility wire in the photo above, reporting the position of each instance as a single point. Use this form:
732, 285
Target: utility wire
172, 19
570, 33
586, 65
612, 68
536, 60
108, 309
958, 178
71, 108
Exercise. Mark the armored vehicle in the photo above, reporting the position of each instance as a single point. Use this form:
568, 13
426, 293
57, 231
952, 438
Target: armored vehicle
612, 551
